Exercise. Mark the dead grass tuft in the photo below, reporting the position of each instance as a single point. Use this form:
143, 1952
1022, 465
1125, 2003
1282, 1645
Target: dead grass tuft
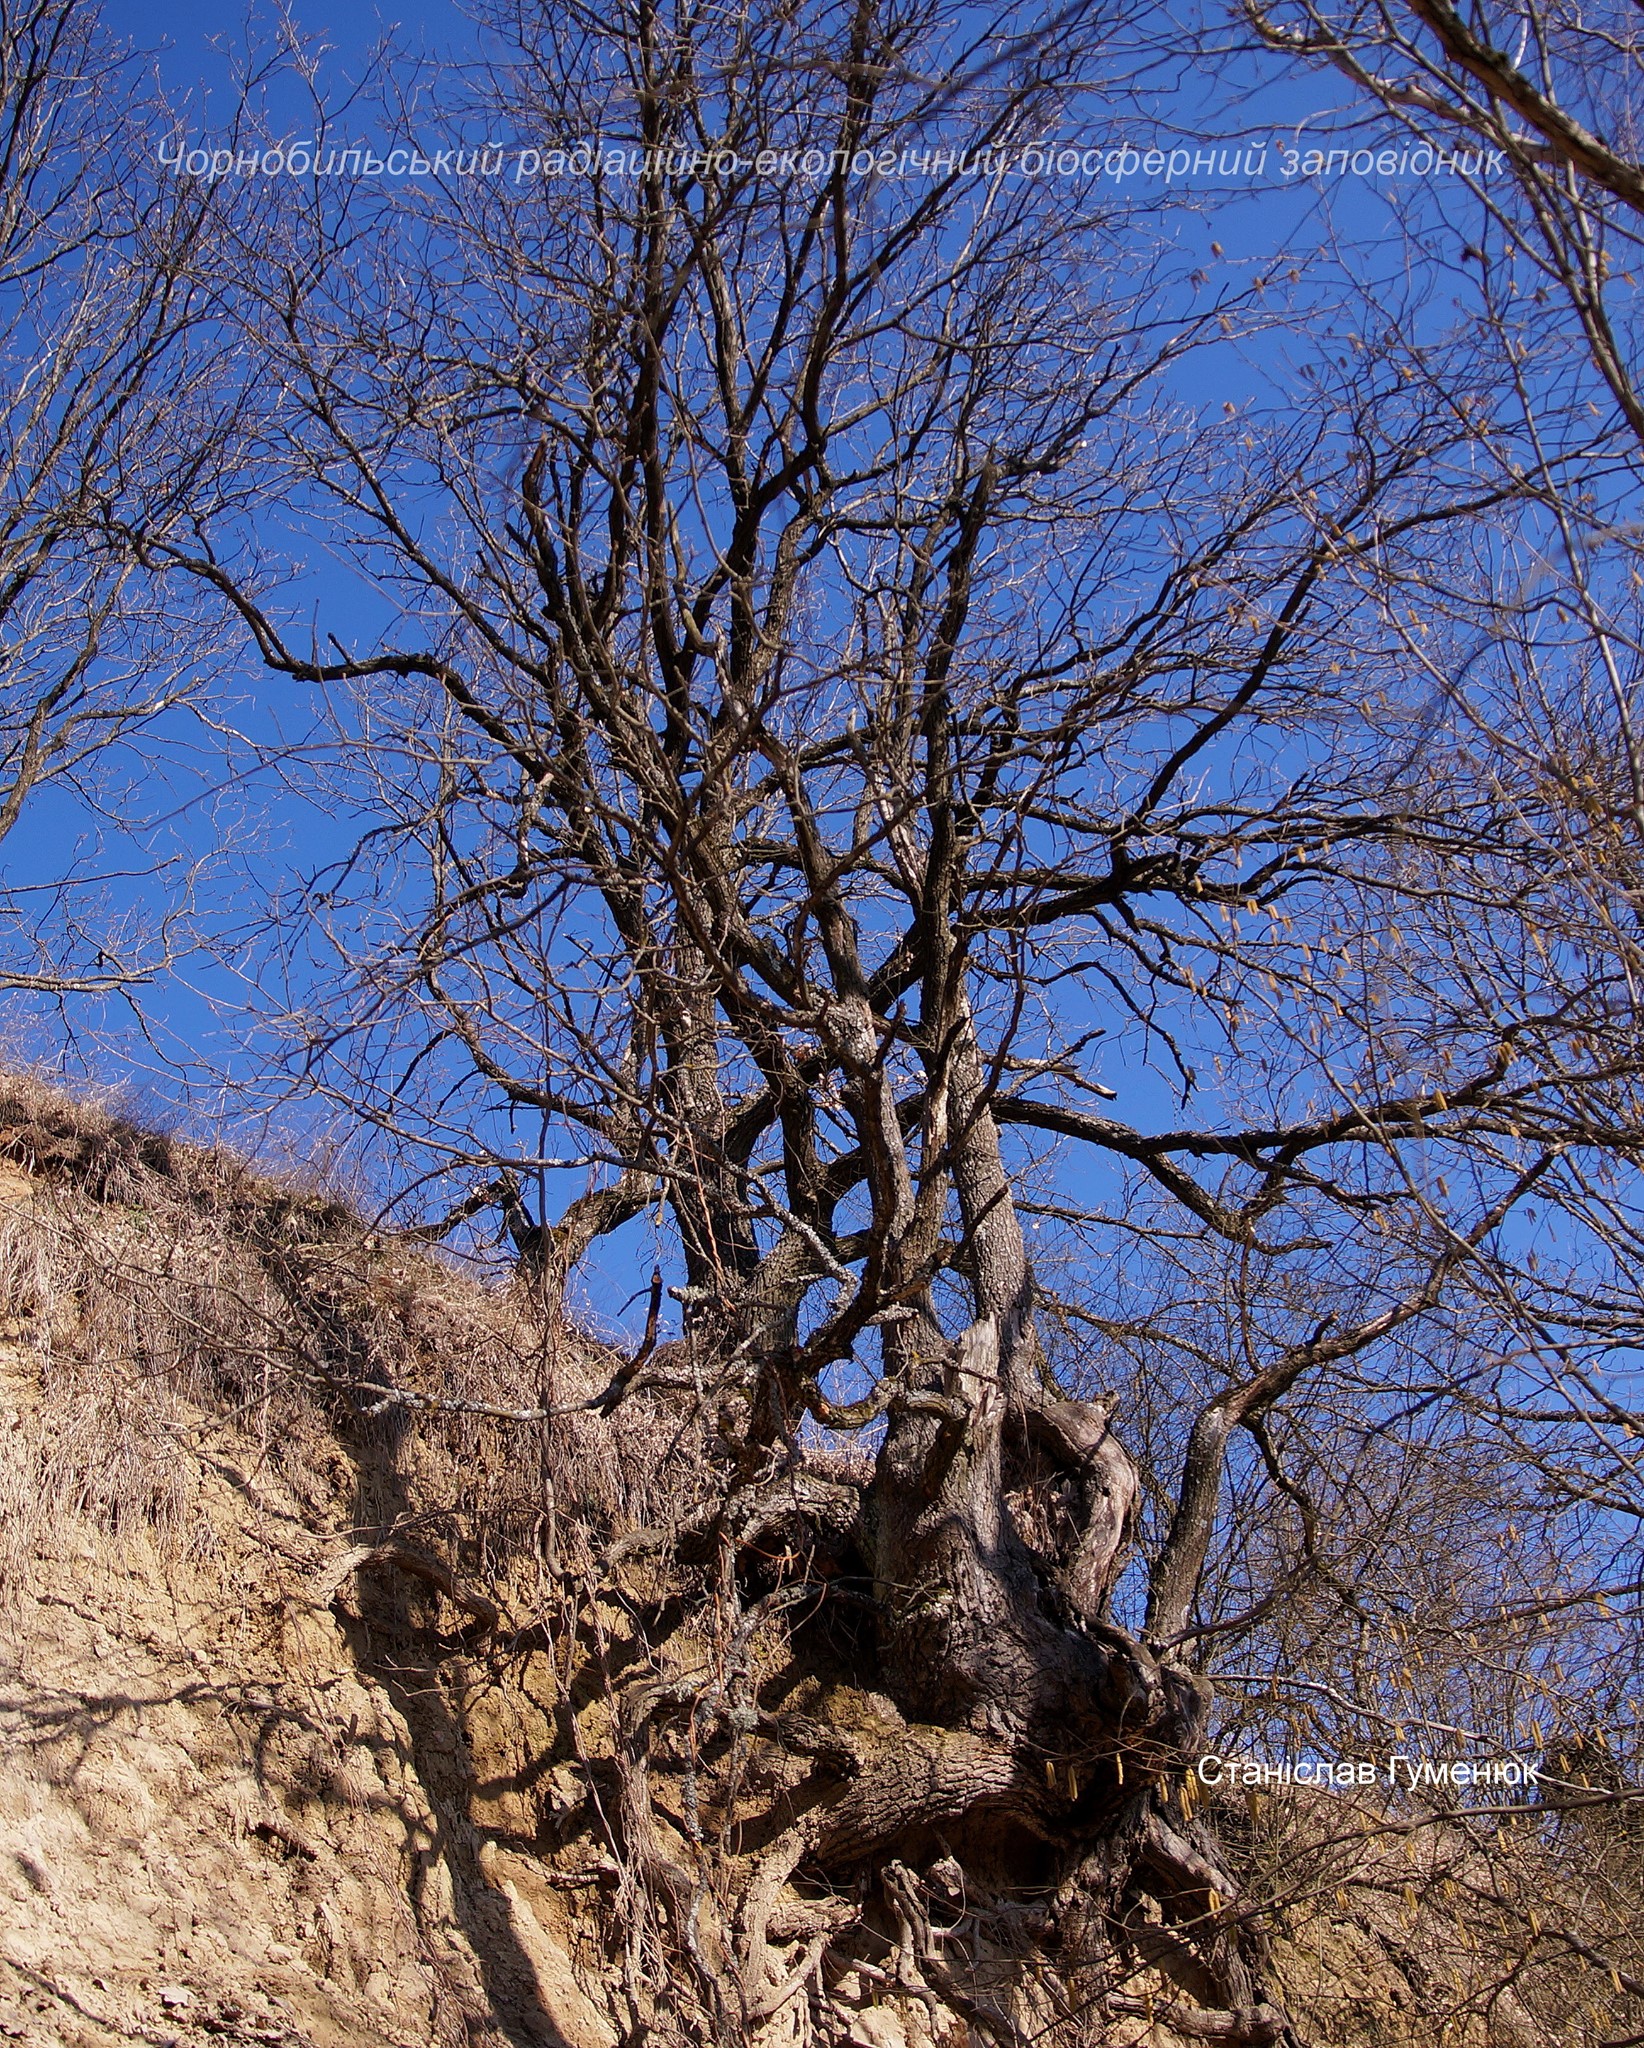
159, 1298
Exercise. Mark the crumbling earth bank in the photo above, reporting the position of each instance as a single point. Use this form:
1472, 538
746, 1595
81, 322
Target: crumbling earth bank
270, 1768
328, 1723
216, 1825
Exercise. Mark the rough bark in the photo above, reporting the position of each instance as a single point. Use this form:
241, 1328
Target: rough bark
965, 1639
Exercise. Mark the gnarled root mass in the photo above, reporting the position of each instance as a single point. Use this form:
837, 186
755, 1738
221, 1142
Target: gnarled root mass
917, 1764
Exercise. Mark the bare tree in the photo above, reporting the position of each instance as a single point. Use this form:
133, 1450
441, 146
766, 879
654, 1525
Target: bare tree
1536, 653
1541, 101
864, 773
114, 406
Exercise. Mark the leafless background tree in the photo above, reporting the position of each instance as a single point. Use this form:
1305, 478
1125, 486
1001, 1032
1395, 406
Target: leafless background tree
115, 404
1539, 659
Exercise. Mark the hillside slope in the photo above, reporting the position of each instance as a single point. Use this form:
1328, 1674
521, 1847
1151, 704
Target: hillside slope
249, 1787
313, 1699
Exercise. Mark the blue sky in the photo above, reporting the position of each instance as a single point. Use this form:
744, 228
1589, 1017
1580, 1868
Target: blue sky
259, 829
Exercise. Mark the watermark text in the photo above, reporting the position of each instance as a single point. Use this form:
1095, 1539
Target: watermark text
527, 166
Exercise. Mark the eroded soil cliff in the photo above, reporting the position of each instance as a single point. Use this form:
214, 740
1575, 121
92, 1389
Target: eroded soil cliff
318, 1710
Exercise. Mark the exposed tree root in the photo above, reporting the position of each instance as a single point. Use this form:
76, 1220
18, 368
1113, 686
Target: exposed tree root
793, 1847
